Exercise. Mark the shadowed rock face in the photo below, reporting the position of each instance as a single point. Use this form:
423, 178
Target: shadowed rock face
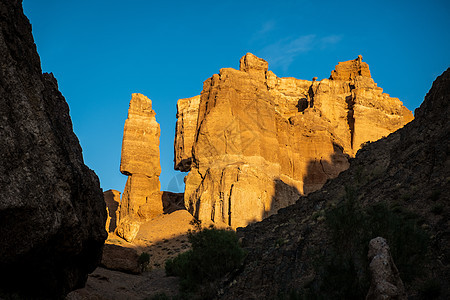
407, 171
254, 142
52, 213
112, 200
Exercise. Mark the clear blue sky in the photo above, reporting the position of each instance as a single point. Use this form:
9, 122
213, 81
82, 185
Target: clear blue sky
102, 51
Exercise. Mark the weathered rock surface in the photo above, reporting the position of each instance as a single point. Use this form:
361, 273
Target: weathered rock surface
120, 259
172, 202
112, 200
254, 142
187, 114
52, 212
407, 173
386, 281
141, 199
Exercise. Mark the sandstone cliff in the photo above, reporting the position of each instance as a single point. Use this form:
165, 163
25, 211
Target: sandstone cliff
142, 198
52, 213
396, 187
254, 142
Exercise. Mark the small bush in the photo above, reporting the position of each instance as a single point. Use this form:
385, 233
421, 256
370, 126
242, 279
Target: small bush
437, 209
214, 253
431, 289
159, 296
344, 271
144, 261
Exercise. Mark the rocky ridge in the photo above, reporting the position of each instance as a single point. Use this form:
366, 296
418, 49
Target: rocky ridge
52, 213
254, 142
401, 181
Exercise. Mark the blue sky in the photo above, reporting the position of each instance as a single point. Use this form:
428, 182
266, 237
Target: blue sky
102, 51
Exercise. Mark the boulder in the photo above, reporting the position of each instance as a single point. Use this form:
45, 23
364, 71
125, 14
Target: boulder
120, 259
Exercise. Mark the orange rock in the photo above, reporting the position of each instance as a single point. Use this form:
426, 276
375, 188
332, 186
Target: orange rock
259, 141
141, 199
187, 114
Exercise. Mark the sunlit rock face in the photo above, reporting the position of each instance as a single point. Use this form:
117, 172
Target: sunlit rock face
52, 212
259, 141
141, 199
187, 113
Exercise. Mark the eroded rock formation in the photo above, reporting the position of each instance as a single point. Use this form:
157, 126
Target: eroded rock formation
255, 142
141, 199
112, 200
386, 282
52, 212
294, 251
187, 114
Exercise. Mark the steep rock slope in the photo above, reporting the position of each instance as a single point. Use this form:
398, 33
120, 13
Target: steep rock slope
52, 213
253, 142
401, 182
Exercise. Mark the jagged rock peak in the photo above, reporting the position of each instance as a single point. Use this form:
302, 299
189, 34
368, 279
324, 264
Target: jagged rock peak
140, 105
406, 173
255, 141
349, 70
252, 62
140, 145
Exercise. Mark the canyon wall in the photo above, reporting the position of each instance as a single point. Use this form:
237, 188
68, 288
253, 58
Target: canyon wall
254, 143
141, 199
405, 177
52, 212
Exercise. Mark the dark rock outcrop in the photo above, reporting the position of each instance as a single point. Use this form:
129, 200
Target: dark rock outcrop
400, 182
52, 213
386, 282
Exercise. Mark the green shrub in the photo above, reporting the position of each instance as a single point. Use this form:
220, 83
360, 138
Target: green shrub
431, 289
437, 209
214, 253
345, 268
144, 261
159, 296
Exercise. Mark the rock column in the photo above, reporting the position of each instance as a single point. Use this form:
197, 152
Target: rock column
141, 199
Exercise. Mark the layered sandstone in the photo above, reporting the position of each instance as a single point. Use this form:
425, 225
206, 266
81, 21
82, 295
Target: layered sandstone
52, 212
256, 142
187, 114
301, 251
141, 199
